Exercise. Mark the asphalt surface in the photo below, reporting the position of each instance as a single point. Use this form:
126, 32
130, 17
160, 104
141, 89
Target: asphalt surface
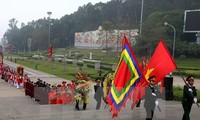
14, 105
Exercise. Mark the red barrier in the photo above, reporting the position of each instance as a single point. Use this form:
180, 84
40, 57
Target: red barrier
29, 89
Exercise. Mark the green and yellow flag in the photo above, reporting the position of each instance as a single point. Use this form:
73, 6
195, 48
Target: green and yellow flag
126, 78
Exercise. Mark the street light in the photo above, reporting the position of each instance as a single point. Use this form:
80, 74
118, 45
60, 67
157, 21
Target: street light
49, 13
166, 23
141, 16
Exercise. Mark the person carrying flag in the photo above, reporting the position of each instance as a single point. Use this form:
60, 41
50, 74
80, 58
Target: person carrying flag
189, 96
150, 98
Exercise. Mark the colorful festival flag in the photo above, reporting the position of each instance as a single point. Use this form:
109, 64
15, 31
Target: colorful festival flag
160, 64
1, 58
50, 51
126, 77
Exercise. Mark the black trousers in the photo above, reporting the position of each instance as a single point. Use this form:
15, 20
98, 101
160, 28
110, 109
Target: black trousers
150, 113
187, 109
77, 105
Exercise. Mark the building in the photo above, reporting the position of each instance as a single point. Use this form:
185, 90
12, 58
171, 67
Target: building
100, 39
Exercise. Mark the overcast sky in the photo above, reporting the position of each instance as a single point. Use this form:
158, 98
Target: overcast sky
27, 10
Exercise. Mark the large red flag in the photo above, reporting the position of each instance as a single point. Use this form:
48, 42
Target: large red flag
126, 78
50, 51
160, 64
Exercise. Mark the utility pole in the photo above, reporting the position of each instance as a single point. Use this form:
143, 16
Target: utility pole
141, 17
49, 13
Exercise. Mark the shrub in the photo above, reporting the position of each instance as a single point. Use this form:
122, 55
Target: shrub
178, 94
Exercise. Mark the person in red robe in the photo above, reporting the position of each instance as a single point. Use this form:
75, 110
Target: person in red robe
58, 93
25, 79
64, 95
52, 96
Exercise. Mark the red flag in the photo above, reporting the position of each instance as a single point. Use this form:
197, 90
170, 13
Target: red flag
50, 52
160, 64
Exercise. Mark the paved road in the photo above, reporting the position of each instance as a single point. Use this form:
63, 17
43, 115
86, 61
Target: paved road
178, 81
14, 105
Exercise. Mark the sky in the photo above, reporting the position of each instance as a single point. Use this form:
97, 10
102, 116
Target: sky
27, 10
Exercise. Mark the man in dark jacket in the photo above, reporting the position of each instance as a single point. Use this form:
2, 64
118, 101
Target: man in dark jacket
98, 93
189, 96
150, 98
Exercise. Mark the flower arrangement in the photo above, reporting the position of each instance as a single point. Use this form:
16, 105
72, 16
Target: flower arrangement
82, 85
107, 83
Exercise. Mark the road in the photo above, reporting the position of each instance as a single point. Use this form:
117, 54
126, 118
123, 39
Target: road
14, 105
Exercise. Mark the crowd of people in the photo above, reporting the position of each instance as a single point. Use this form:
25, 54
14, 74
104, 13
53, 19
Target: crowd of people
62, 93
78, 90
13, 77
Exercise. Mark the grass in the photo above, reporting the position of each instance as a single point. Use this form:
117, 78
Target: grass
188, 63
66, 71
187, 66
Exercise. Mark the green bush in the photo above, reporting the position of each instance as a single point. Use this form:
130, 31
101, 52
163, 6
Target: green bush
80, 64
178, 94
91, 66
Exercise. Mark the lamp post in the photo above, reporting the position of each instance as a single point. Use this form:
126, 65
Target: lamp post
49, 13
141, 17
166, 23
168, 81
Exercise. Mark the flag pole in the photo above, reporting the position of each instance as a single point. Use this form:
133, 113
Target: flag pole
186, 85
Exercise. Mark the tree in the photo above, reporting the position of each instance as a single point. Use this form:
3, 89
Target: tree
13, 34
